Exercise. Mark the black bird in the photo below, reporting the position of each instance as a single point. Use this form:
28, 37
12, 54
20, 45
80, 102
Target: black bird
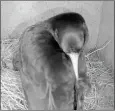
52, 59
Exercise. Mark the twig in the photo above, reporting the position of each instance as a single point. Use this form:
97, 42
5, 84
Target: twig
104, 45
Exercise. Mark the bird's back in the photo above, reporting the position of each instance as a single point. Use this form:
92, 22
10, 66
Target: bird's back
44, 64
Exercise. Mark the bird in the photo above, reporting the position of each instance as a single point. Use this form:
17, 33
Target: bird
52, 60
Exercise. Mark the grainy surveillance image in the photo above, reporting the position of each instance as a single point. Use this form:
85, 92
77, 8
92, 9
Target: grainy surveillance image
57, 55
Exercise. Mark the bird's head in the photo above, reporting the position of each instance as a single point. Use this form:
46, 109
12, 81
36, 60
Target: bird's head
72, 40
71, 33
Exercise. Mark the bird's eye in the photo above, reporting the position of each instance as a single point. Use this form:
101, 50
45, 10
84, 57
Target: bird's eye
78, 50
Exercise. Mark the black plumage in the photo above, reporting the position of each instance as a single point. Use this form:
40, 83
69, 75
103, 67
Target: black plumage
47, 70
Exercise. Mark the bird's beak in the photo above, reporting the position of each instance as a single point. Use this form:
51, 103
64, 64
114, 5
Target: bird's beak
74, 59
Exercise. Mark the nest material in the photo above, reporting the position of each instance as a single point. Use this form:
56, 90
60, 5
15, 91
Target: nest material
101, 95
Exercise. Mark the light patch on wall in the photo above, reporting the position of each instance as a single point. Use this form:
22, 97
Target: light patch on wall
92, 7
25, 10
22, 11
24, 7
91, 11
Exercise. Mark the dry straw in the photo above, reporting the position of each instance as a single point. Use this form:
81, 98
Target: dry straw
12, 96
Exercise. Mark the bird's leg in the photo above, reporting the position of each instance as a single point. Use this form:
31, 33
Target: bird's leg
83, 85
75, 98
80, 101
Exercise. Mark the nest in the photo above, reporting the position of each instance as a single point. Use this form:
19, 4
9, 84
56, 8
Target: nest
101, 77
